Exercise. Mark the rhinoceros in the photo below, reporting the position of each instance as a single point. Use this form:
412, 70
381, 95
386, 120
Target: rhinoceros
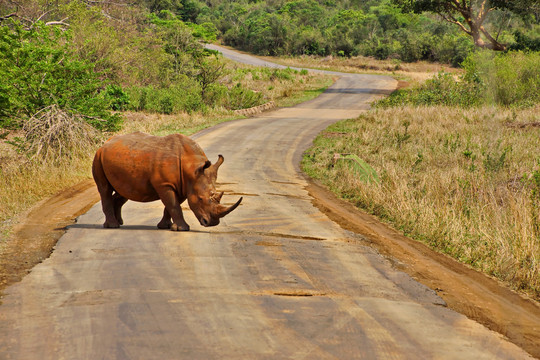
142, 167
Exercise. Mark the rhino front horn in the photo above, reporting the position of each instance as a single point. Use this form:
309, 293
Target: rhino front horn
226, 210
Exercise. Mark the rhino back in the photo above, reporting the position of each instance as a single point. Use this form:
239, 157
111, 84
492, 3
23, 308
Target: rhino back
135, 164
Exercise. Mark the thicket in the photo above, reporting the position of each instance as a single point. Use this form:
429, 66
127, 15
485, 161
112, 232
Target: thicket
505, 79
105, 59
349, 28
38, 69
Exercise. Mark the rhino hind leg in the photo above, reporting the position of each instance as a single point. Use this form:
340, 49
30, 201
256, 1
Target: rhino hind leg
165, 222
105, 190
107, 204
118, 202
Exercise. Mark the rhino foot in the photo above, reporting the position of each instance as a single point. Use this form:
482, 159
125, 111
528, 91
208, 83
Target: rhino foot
108, 225
164, 224
175, 227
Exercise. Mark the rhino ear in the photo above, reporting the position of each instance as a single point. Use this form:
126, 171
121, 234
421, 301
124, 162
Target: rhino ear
200, 169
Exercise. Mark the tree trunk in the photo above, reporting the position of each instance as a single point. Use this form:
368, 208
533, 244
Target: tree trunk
477, 29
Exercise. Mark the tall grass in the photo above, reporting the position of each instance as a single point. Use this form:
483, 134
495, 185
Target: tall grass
464, 181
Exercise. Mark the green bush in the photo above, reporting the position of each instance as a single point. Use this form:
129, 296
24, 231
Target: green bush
117, 97
37, 70
242, 98
507, 79
182, 97
443, 89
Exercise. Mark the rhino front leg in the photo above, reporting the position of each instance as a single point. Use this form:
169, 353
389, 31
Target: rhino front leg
169, 198
165, 222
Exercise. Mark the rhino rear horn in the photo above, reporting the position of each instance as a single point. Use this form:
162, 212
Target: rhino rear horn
212, 170
219, 196
223, 210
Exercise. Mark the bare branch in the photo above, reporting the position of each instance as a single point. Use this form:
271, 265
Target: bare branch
42, 15
483, 12
2, 18
61, 22
453, 20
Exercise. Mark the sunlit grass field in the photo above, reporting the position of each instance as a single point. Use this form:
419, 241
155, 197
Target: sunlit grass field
465, 182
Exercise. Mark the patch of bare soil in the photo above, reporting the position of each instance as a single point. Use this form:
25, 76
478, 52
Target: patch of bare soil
34, 237
465, 290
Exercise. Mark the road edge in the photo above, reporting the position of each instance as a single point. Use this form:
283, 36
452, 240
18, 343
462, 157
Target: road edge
465, 290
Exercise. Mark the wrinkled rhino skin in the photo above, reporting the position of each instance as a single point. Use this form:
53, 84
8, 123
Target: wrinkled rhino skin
142, 167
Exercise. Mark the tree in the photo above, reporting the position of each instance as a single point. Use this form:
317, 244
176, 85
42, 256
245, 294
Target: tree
469, 15
529, 10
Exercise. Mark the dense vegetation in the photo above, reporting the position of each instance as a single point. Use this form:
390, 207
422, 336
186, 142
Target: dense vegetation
370, 28
505, 79
108, 59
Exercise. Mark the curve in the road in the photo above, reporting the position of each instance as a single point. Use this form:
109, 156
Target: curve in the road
277, 279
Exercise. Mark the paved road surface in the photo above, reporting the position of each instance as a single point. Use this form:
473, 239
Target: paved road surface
276, 280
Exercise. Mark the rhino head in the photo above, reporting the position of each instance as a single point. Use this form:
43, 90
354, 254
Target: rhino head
202, 196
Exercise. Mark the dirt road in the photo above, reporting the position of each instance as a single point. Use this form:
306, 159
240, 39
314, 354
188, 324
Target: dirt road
277, 279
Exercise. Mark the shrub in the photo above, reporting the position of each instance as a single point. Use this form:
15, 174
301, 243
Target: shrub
443, 89
511, 79
37, 70
241, 98
117, 97
53, 134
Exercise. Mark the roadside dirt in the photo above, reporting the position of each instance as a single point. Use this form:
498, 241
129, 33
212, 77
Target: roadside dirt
464, 290
39, 229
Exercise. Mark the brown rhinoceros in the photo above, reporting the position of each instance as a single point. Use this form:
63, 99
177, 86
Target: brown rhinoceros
145, 168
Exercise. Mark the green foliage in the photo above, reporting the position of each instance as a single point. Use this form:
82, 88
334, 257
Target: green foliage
309, 27
525, 42
37, 69
511, 79
181, 97
241, 98
118, 98
443, 89
461, 13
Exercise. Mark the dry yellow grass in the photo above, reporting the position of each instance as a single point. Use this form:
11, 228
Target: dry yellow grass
466, 182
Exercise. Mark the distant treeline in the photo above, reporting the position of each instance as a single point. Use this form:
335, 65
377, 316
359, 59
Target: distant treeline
375, 28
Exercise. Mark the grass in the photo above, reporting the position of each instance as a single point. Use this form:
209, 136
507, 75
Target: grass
465, 182
25, 181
